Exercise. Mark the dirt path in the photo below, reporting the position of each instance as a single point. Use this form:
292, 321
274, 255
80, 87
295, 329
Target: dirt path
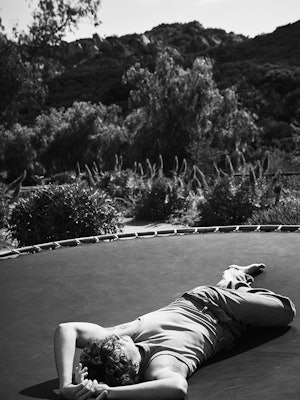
131, 225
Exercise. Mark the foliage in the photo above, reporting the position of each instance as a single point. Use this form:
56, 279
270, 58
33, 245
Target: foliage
147, 192
79, 134
8, 195
17, 151
62, 212
179, 111
165, 105
51, 20
124, 185
284, 213
185, 195
3, 212
27, 64
22, 89
232, 200
62, 138
160, 198
270, 91
62, 178
226, 204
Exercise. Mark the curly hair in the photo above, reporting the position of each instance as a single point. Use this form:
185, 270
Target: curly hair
107, 363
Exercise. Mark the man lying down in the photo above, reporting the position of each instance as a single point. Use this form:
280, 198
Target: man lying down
152, 356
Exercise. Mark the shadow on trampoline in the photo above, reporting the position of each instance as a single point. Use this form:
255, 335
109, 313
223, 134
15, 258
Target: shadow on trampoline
45, 390
252, 338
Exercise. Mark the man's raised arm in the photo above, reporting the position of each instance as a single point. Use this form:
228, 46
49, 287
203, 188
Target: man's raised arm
67, 337
70, 335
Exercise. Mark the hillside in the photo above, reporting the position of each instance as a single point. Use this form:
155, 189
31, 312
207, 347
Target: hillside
94, 67
282, 47
265, 70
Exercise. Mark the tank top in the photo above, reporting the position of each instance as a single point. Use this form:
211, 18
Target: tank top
181, 330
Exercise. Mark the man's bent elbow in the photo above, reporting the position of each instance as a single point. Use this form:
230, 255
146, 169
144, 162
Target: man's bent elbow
63, 331
63, 325
180, 389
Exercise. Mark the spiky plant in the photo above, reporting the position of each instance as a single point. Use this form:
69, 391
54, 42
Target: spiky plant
8, 195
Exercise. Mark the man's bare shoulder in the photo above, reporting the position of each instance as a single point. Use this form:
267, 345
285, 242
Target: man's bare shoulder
165, 364
129, 328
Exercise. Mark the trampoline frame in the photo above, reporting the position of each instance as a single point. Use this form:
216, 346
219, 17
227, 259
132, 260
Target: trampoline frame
144, 234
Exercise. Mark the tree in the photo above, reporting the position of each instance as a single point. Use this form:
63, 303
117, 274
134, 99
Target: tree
1, 25
53, 18
84, 133
23, 91
26, 65
181, 112
19, 154
170, 106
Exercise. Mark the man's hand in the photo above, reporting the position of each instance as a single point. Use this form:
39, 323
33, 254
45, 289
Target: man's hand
84, 390
80, 373
101, 391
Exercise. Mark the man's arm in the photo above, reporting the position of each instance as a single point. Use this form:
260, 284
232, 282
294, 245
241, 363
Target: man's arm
166, 385
165, 379
70, 335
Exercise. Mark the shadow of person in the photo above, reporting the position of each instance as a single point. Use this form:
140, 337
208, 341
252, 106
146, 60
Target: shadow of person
216, 372
253, 337
45, 390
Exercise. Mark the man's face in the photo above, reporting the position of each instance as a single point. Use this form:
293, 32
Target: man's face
130, 350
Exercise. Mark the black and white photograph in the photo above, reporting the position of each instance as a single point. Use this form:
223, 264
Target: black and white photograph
149, 199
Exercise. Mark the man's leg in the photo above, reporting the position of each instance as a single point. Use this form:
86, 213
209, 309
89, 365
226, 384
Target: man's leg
244, 304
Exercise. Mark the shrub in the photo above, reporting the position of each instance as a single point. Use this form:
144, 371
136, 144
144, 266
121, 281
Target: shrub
232, 199
120, 184
56, 213
3, 213
159, 199
8, 195
287, 213
225, 206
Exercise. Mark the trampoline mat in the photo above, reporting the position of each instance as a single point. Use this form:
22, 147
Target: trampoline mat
115, 282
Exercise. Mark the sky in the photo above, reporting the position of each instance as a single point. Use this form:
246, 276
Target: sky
121, 17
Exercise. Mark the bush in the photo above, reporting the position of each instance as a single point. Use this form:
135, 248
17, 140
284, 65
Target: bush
3, 213
57, 213
225, 206
159, 199
287, 213
8, 195
121, 183
232, 200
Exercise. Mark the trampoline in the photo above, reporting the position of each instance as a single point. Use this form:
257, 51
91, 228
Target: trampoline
115, 281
